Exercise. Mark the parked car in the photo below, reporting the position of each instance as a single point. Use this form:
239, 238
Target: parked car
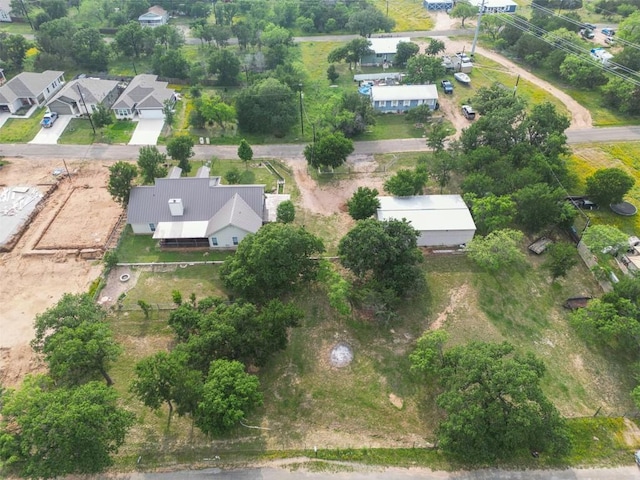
587, 33
49, 119
610, 41
609, 32
463, 57
468, 112
589, 26
447, 86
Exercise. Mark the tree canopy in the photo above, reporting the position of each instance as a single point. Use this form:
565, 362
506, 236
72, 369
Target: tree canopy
121, 177
329, 151
150, 163
424, 69
363, 203
180, 148
407, 182
608, 186
48, 432
499, 250
267, 107
272, 261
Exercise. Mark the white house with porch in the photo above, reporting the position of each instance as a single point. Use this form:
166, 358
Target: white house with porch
154, 17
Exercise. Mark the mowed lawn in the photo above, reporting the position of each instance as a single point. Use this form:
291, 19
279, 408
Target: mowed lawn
376, 401
409, 15
586, 159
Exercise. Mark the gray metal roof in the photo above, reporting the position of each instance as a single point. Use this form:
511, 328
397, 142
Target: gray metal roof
235, 212
144, 91
94, 90
27, 85
201, 198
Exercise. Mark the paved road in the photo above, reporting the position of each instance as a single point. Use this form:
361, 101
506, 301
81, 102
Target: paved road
622, 473
123, 152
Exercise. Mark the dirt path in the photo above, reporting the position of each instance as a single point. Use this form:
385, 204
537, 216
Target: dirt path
580, 116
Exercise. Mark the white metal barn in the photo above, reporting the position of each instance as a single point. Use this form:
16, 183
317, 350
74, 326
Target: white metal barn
442, 220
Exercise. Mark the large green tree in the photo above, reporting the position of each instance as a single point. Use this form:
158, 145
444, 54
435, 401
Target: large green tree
226, 65
495, 406
491, 212
424, 69
329, 151
363, 203
366, 21
609, 185
150, 163
121, 177
267, 107
48, 432
180, 148
499, 250
464, 10
13, 49
407, 182
404, 52
386, 252
90, 50
229, 394
272, 261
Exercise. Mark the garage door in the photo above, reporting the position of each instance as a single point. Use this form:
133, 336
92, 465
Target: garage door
151, 114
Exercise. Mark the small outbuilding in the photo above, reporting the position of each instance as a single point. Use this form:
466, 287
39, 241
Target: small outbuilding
435, 5
442, 220
400, 98
496, 6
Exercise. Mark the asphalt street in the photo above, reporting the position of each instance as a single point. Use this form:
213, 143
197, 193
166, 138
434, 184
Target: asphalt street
366, 473
100, 152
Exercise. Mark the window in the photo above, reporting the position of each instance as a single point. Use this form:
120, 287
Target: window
420, 102
394, 103
382, 103
235, 240
152, 227
214, 241
406, 103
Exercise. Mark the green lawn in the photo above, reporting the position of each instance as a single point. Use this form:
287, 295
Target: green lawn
79, 132
409, 15
21, 130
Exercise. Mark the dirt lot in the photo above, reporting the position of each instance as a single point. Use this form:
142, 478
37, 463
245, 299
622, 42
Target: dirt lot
78, 214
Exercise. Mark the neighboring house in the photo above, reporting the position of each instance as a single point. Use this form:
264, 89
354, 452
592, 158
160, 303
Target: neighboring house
196, 211
384, 51
438, 4
29, 88
154, 17
442, 220
82, 96
400, 98
5, 10
496, 6
144, 97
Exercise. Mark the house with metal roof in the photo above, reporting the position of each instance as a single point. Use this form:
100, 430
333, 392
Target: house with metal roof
154, 17
442, 220
28, 89
196, 211
495, 6
83, 95
400, 98
383, 51
143, 97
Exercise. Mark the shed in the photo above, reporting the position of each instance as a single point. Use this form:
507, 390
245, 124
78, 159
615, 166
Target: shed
400, 98
437, 4
442, 220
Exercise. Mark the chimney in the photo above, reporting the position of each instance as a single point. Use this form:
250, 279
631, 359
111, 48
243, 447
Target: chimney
175, 207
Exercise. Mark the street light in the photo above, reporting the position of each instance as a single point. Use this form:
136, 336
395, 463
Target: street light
301, 116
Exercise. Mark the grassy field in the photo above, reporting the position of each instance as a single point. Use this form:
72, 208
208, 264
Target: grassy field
587, 159
79, 132
21, 130
409, 15
308, 402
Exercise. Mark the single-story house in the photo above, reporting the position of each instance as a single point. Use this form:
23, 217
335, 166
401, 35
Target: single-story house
29, 88
400, 98
496, 6
442, 220
5, 10
82, 96
196, 211
384, 51
145, 97
438, 4
154, 17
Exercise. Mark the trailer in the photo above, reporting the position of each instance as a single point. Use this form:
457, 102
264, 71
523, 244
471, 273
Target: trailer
540, 245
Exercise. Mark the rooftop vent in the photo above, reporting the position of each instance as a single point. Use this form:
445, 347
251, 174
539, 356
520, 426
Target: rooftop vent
176, 207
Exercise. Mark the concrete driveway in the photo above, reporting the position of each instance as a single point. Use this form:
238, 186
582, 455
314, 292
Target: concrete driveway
49, 136
147, 131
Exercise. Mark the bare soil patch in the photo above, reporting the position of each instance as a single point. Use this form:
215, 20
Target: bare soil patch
32, 282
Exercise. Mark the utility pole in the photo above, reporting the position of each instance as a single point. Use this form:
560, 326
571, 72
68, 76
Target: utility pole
86, 109
26, 14
387, 8
475, 37
301, 117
